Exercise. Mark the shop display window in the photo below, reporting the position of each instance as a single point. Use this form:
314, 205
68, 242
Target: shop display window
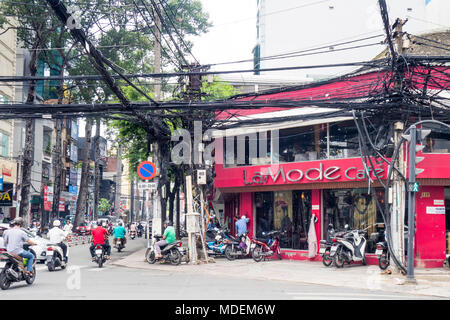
285, 211
355, 208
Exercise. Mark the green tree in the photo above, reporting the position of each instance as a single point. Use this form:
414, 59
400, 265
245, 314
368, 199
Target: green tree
104, 206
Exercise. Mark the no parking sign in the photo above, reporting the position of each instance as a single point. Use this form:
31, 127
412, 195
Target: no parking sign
146, 170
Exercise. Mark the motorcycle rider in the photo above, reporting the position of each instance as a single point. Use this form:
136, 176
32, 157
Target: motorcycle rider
14, 240
168, 238
140, 228
119, 233
57, 236
100, 236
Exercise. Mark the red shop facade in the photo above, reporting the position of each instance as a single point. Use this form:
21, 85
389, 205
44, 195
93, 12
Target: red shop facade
285, 196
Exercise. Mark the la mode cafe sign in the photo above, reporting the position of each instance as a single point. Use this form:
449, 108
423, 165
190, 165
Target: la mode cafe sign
319, 172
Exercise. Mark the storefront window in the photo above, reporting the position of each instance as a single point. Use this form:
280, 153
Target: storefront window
285, 211
343, 140
303, 143
354, 207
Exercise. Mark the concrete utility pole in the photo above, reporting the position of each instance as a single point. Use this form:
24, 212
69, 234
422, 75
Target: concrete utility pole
398, 199
118, 180
399, 187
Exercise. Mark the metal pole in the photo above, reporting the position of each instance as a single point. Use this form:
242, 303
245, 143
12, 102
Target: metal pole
411, 205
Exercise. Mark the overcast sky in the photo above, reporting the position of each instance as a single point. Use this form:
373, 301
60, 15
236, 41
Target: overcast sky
233, 35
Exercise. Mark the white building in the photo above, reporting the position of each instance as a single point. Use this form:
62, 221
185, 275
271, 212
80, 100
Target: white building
293, 26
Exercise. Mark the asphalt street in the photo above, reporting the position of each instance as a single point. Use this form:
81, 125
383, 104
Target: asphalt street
85, 281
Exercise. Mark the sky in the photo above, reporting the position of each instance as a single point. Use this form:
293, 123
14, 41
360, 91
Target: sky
233, 35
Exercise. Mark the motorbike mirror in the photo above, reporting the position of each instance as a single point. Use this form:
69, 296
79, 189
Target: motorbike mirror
346, 227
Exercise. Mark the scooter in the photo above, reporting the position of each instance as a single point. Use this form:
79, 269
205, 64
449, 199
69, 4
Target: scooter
325, 245
238, 247
100, 255
383, 256
266, 249
12, 269
55, 257
120, 244
132, 234
349, 248
169, 252
215, 242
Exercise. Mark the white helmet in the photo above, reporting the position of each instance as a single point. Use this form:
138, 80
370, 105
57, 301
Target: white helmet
56, 223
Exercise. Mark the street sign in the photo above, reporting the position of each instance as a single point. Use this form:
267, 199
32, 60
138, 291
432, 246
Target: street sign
146, 170
147, 186
413, 186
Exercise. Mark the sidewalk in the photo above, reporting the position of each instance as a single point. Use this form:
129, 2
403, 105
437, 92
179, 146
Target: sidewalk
430, 282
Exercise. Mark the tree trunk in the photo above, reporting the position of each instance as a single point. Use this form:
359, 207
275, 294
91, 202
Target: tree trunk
97, 168
57, 169
84, 184
27, 161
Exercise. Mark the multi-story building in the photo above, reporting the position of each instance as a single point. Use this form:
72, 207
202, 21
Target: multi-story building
280, 175
8, 164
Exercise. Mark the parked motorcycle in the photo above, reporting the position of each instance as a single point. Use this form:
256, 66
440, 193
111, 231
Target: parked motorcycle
349, 248
100, 255
238, 247
383, 256
169, 252
325, 246
215, 242
266, 248
55, 257
120, 244
13, 268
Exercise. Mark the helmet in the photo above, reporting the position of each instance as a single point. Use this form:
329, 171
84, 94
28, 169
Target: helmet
18, 221
168, 222
56, 223
99, 222
244, 217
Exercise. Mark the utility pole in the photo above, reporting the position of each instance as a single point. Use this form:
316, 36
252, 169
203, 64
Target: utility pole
118, 180
96, 169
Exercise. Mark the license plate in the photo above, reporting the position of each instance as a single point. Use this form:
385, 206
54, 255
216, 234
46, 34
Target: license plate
333, 249
49, 253
2, 264
378, 252
322, 250
98, 252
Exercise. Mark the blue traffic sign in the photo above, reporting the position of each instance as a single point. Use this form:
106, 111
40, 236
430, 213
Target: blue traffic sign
146, 170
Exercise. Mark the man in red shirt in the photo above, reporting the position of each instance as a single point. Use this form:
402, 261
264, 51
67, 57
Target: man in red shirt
100, 236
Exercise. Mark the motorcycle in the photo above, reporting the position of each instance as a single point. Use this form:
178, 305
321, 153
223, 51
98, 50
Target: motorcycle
349, 248
325, 246
139, 233
214, 242
266, 248
132, 234
100, 255
54, 257
119, 244
238, 247
13, 269
169, 252
383, 256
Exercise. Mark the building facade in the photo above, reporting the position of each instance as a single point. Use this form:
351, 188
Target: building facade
284, 175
